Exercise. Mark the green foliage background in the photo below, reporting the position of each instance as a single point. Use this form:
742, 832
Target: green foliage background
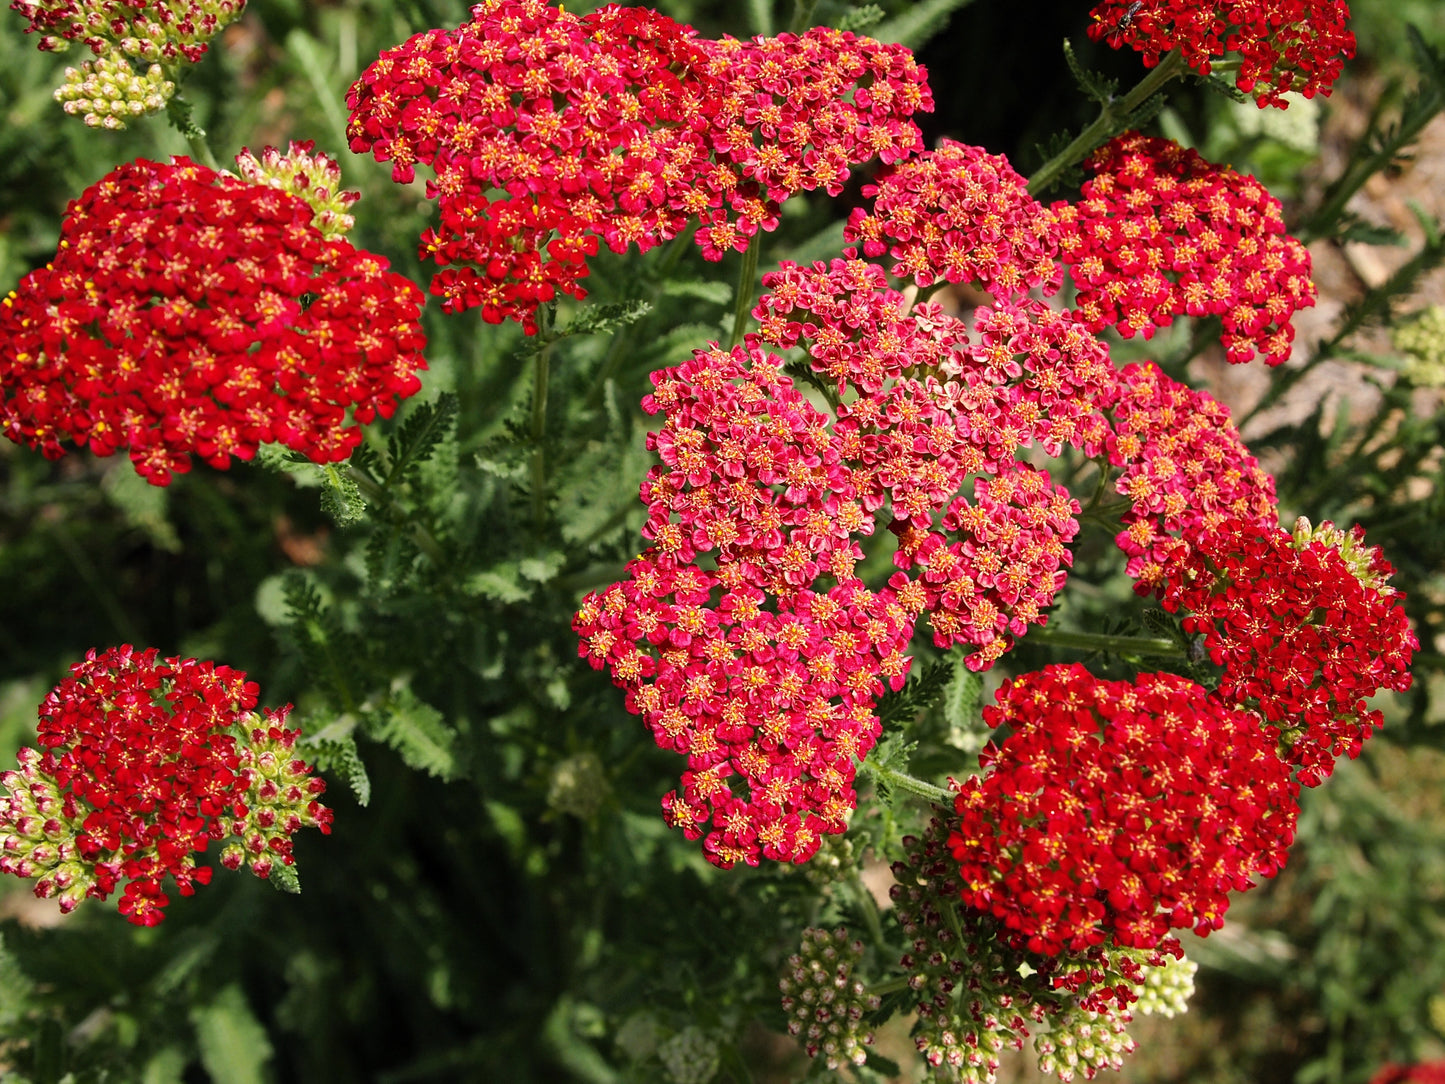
463, 922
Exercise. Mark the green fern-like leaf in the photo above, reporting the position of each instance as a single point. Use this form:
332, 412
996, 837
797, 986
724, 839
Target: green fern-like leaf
417, 731
339, 756
421, 435
922, 691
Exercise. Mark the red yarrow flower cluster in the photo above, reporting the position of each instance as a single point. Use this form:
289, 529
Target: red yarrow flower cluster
1184, 469
1115, 811
958, 214
979, 995
1160, 232
145, 761
1283, 46
550, 134
1306, 628
768, 695
190, 312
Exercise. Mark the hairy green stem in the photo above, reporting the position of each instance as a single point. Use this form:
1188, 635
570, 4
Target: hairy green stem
868, 905
1119, 645
541, 372
379, 495
802, 15
903, 781
743, 303
1112, 116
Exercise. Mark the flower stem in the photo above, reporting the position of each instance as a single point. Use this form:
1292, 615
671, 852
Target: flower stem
868, 905
802, 15
743, 304
378, 494
1119, 645
541, 372
1114, 116
902, 781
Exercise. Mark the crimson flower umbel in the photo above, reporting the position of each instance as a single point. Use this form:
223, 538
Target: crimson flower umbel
1306, 627
551, 134
145, 761
190, 312
1115, 811
1160, 232
1283, 46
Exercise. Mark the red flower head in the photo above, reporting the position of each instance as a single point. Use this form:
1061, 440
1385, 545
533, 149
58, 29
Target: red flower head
550, 134
1306, 627
959, 214
1185, 471
188, 311
940, 402
1115, 811
145, 762
1160, 232
1283, 45
769, 694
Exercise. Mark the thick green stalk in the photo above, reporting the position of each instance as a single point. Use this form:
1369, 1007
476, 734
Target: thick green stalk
1113, 115
743, 303
1119, 645
377, 494
541, 373
903, 781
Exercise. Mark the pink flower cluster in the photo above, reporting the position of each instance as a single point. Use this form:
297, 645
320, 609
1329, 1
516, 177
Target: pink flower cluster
1306, 627
549, 133
1283, 45
958, 214
1184, 469
145, 762
1161, 232
939, 403
768, 696
1115, 811
190, 312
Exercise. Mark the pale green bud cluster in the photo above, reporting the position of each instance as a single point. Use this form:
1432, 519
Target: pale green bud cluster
107, 92
833, 861
1422, 340
316, 178
690, 1057
1296, 127
38, 830
824, 1000
1166, 989
281, 796
1081, 1043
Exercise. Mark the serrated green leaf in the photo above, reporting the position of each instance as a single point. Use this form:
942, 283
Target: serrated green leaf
542, 567
501, 583
962, 696
15, 987
337, 753
284, 878
233, 1045
715, 293
143, 506
860, 19
417, 731
340, 496
425, 428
